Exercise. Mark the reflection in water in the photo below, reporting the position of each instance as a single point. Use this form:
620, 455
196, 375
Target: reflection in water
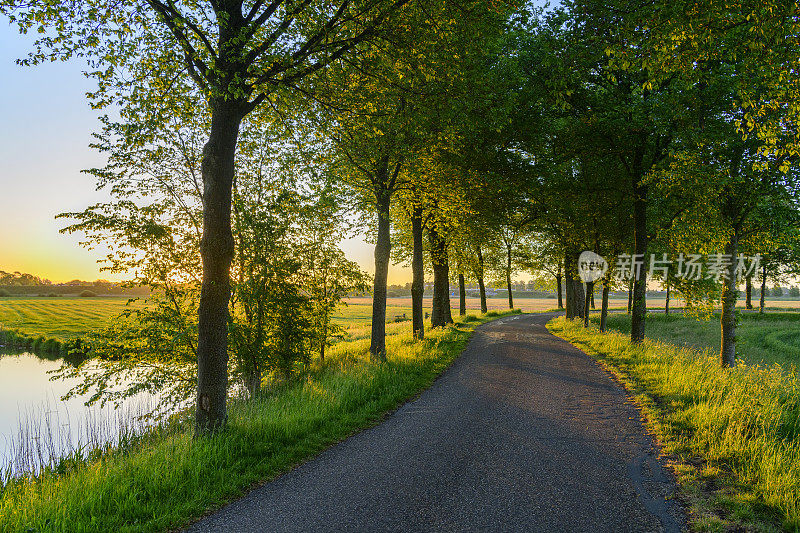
31, 407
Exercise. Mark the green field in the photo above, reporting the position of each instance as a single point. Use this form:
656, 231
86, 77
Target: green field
67, 318
71, 317
63, 318
766, 339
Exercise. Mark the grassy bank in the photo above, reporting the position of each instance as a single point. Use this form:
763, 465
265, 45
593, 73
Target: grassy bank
168, 478
17, 340
734, 435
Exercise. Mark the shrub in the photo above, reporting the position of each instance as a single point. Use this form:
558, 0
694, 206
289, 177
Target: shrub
51, 345
88, 294
4, 293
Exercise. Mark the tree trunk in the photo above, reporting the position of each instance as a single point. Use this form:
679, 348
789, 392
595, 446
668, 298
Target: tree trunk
576, 298
630, 295
418, 277
748, 288
216, 250
570, 309
763, 288
508, 277
481, 284
666, 302
440, 311
253, 382
579, 298
604, 307
462, 295
558, 291
592, 295
728, 319
324, 338
587, 303
640, 240
377, 347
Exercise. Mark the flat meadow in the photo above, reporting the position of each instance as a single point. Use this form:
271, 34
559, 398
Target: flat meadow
70, 317
64, 318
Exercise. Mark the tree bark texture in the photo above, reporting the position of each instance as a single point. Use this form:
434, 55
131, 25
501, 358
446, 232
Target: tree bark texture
640, 244
558, 291
630, 296
216, 251
481, 284
728, 319
462, 295
748, 288
579, 298
588, 303
418, 276
440, 311
570, 308
508, 277
377, 347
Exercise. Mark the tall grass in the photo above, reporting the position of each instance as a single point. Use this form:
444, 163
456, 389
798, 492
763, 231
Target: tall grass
49, 441
735, 433
167, 477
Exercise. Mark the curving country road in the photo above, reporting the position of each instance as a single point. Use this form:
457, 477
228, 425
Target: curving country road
523, 433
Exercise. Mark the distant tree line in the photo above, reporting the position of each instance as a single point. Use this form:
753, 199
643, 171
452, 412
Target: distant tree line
17, 283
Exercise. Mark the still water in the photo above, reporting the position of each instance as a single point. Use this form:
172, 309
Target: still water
30, 403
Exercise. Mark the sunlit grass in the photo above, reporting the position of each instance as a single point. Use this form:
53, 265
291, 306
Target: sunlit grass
63, 318
168, 478
734, 434
360, 314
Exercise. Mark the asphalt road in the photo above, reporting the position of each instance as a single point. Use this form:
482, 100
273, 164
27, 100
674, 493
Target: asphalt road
523, 433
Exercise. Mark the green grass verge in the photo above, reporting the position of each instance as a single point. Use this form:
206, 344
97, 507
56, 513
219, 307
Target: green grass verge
760, 338
169, 478
733, 436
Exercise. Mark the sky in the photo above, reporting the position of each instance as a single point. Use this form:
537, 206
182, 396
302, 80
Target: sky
45, 131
